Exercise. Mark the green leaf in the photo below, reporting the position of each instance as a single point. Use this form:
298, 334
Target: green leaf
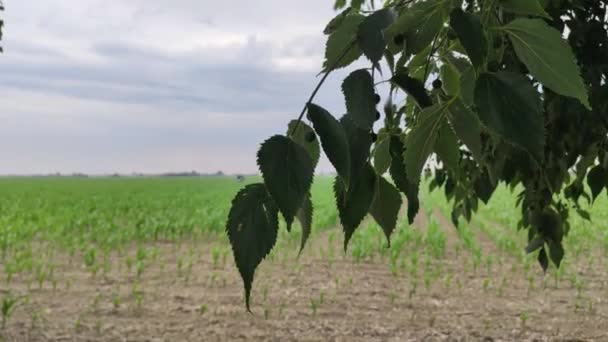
353, 204
358, 89
467, 86
370, 35
252, 230
414, 88
339, 40
471, 34
511, 107
420, 23
548, 57
524, 7
421, 140
359, 143
484, 187
382, 154
302, 136
543, 260
335, 23
333, 140
535, 244
556, 252
399, 174
304, 216
287, 171
450, 79
385, 207
446, 147
597, 179
466, 125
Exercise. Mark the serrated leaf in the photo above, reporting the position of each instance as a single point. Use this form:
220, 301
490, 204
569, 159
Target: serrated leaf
301, 136
414, 88
252, 230
385, 207
450, 78
524, 7
358, 89
543, 260
340, 39
471, 35
597, 179
446, 147
399, 175
466, 125
359, 143
304, 216
370, 35
421, 140
382, 154
333, 140
556, 252
287, 171
353, 204
511, 107
548, 57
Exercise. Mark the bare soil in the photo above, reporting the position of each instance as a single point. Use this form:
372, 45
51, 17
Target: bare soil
318, 298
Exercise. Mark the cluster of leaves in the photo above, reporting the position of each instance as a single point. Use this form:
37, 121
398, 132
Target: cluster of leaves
494, 93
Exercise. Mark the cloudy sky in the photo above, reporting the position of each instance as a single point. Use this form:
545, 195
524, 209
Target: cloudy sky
155, 85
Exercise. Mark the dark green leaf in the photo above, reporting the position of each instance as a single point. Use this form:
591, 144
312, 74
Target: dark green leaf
252, 230
399, 175
466, 125
484, 187
450, 79
535, 244
301, 136
420, 23
338, 41
385, 207
597, 179
548, 57
421, 140
304, 216
471, 34
370, 35
333, 140
358, 89
334, 23
543, 260
382, 155
467, 86
287, 170
524, 7
414, 88
353, 204
511, 107
446, 147
556, 252
359, 143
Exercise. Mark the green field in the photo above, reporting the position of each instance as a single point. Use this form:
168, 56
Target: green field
109, 240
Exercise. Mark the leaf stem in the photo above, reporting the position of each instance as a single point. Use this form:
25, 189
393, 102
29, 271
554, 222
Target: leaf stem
314, 92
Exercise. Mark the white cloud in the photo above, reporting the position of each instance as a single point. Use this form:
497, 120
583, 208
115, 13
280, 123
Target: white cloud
144, 85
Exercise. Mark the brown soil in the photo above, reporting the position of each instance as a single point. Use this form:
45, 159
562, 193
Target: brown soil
353, 301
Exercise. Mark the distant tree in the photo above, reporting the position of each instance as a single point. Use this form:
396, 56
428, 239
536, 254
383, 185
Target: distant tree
510, 91
1, 24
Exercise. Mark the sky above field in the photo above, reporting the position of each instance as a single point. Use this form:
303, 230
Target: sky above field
155, 85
